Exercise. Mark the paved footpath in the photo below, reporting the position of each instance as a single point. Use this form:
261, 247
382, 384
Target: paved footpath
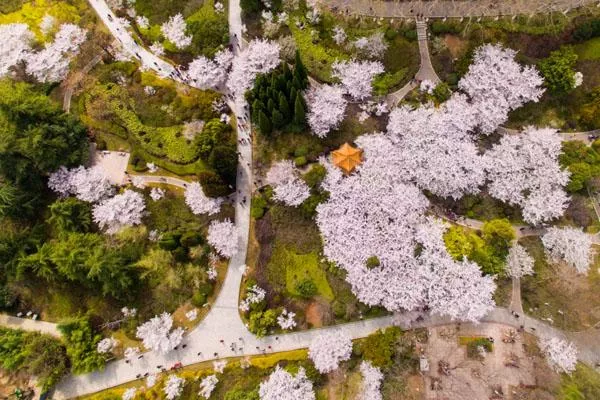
452, 8
29, 325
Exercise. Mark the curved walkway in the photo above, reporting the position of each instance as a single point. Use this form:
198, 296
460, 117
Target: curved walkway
29, 325
454, 8
583, 136
158, 179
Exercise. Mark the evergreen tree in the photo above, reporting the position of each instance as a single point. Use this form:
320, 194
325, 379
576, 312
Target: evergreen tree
256, 107
284, 107
300, 71
270, 105
293, 94
277, 118
287, 74
299, 113
264, 123
297, 83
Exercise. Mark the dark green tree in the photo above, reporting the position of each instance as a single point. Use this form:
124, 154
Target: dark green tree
212, 184
284, 108
300, 71
223, 160
270, 105
557, 70
264, 124
36, 136
208, 33
277, 119
299, 113
70, 215
82, 341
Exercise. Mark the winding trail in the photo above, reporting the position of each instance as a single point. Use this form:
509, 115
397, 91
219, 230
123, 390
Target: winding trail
223, 322
159, 179
28, 324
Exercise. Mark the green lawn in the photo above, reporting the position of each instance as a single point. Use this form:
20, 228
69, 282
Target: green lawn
589, 50
300, 267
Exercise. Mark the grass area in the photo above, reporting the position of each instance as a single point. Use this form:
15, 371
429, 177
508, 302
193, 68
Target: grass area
589, 50
234, 378
503, 293
557, 293
302, 267
32, 13
158, 11
584, 383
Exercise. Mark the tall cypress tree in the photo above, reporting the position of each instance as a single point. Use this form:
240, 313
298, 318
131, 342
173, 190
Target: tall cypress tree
299, 113
277, 119
293, 94
270, 105
300, 71
264, 123
284, 107
287, 74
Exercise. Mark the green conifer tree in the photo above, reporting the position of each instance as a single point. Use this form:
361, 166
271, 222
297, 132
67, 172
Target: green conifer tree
299, 113
264, 123
284, 108
270, 105
277, 119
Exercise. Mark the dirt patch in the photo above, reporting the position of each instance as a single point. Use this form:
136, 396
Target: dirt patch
314, 314
11, 382
456, 45
453, 375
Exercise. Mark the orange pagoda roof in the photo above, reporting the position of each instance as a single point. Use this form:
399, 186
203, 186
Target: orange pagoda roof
347, 157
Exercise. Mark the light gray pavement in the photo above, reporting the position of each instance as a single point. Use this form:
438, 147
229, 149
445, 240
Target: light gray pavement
452, 8
426, 71
516, 304
113, 164
28, 324
159, 179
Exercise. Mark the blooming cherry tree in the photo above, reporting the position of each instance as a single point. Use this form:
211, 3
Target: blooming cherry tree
87, 184
131, 353
259, 57
174, 31
207, 385
156, 334
142, 22
356, 76
198, 202
157, 48
47, 24
157, 194
524, 170
210, 74
286, 320
518, 262
151, 380
173, 387
219, 365
254, 295
561, 355
339, 35
373, 46
570, 245
16, 45
326, 106
282, 385
52, 63
106, 345
371, 384
288, 187
328, 349
122, 210
223, 236
129, 394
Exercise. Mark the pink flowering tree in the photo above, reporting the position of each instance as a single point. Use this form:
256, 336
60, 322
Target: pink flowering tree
561, 355
356, 76
570, 245
157, 335
288, 187
518, 262
371, 382
281, 385
207, 385
223, 236
524, 170
259, 57
174, 31
16, 45
198, 202
87, 184
328, 349
173, 387
205, 73
52, 63
326, 105
125, 209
